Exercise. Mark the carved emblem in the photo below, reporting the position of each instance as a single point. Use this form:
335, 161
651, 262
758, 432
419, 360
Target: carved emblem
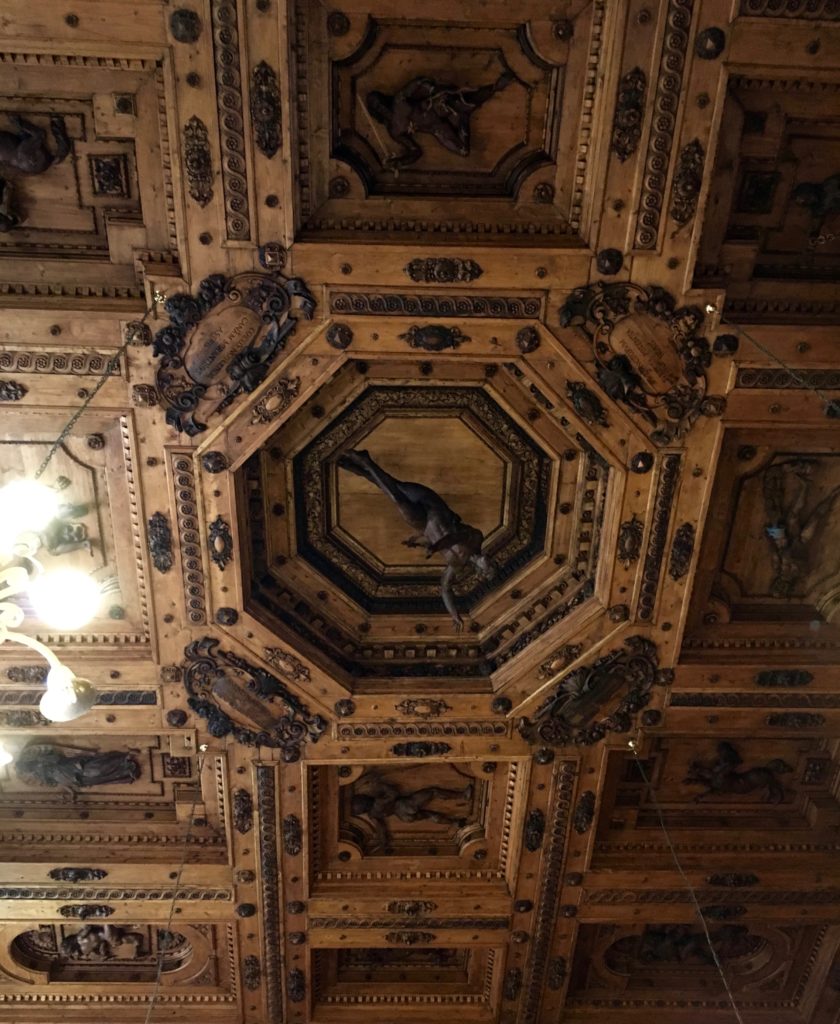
422, 708
109, 175
434, 337
220, 542
584, 812
629, 112
409, 938
12, 391
795, 720
417, 748
276, 400
265, 108
340, 336
682, 549
292, 835
630, 535
287, 664
688, 179
243, 811
647, 353
782, 677
345, 708
710, 43
566, 716
527, 340
144, 396
443, 270
534, 830
76, 875
586, 403
411, 908
251, 973
217, 680
609, 261
160, 542
83, 911
721, 777
222, 341
197, 160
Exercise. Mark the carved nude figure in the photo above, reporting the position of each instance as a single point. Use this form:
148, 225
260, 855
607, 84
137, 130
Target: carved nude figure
383, 800
424, 106
440, 530
720, 776
788, 528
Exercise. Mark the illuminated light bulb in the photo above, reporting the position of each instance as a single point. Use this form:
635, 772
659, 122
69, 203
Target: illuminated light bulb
65, 598
26, 506
68, 696
5, 756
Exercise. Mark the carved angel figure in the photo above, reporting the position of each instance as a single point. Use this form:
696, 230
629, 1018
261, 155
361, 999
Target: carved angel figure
424, 106
45, 764
440, 529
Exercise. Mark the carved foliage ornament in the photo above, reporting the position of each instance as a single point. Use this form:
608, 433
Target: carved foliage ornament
434, 337
243, 811
12, 391
630, 535
217, 680
567, 715
681, 551
265, 109
629, 112
276, 400
223, 341
648, 354
534, 830
688, 178
197, 160
160, 542
220, 542
443, 270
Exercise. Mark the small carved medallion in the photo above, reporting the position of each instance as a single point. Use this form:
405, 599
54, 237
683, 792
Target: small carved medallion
144, 396
434, 337
220, 542
688, 179
586, 403
265, 109
443, 270
276, 400
630, 535
609, 262
710, 43
629, 113
197, 160
160, 542
109, 175
340, 336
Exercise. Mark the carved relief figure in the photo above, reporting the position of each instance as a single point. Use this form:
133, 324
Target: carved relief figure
424, 106
24, 152
721, 778
440, 529
101, 942
789, 528
680, 944
381, 800
821, 199
45, 764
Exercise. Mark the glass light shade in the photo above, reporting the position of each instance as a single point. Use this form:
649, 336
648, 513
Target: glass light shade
25, 505
67, 697
5, 756
65, 598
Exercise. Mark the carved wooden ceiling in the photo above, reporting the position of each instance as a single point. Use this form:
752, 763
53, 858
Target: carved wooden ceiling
564, 276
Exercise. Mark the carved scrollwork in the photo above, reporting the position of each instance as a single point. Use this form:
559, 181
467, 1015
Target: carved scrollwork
160, 542
688, 179
292, 835
265, 109
220, 542
443, 270
409, 938
630, 535
243, 811
223, 338
629, 112
584, 812
682, 548
296, 985
434, 337
566, 716
12, 391
210, 671
198, 161
648, 354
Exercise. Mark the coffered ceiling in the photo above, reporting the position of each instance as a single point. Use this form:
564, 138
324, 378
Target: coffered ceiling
546, 293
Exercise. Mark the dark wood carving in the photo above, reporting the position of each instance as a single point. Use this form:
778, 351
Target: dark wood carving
584, 812
443, 270
265, 108
198, 161
630, 535
629, 114
44, 764
12, 391
292, 835
434, 337
682, 548
688, 179
721, 777
243, 811
534, 830
220, 542
160, 542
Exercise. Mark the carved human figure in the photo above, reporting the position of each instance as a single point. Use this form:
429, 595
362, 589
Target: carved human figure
720, 776
25, 150
101, 942
424, 106
45, 764
440, 530
788, 528
62, 535
820, 198
382, 800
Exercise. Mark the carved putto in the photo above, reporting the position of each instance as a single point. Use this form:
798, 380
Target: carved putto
721, 777
75, 768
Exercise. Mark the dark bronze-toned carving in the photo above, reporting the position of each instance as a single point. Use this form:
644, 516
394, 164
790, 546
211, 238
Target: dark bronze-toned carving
688, 179
586, 403
185, 25
609, 261
789, 529
193, 361
527, 340
265, 109
12, 391
340, 336
682, 549
556, 973
296, 985
426, 107
710, 43
144, 396
210, 670
24, 151
379, 800
243, 811
509, 307
534, 830
584, 812
782, 677
345, 708
565, 717
629, 112
44, 764
102, 942
220, 542
292, 835
513, 983
160, 542
419, 748
642, 462
680, 944
721, 778
630, 535
214, 462
338, 24
227, 616
251, 973
443, 270
440, 530
409, 938
422, 708
197, 160
82, 911
275, 400
434, 337
76, 875
411, 908
22, 718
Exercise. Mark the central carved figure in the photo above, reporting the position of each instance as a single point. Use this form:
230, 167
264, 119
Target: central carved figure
440, 530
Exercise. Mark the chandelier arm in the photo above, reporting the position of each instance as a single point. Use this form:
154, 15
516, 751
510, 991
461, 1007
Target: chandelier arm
31, 642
